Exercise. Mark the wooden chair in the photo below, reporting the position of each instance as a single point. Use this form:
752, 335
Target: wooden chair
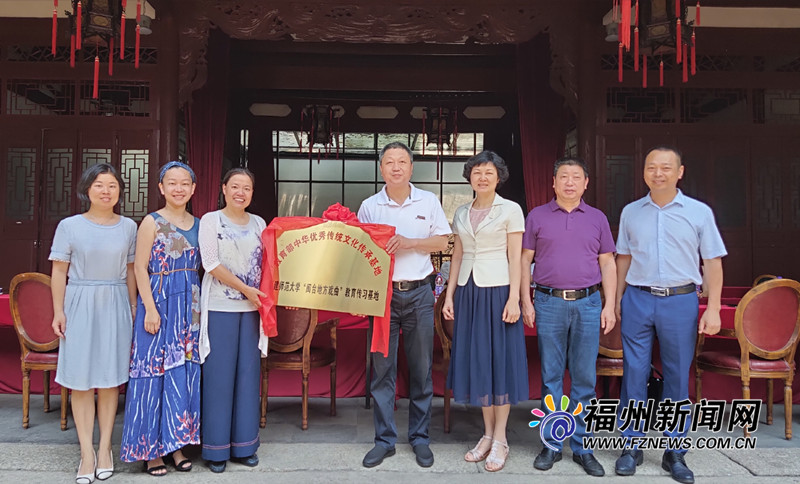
292, 350
441, 361
32, 311
763, 278
609, 358
767, 325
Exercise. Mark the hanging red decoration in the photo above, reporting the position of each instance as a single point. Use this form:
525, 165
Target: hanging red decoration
625, 25
136, 50
96, 76
697, 14
111, 57
122, 35
644, 72
685, 66
661, 73
694, 57
93, 24
79, 26
636, 49
678, 28
619, 63
55, 28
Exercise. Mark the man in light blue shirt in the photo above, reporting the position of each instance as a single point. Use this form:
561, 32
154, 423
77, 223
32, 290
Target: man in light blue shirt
661, 240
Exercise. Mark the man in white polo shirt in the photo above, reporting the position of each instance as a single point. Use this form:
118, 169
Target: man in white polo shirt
421, 228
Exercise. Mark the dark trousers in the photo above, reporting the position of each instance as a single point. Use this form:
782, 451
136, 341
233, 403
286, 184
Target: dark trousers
231, 377
673, 319
412, 312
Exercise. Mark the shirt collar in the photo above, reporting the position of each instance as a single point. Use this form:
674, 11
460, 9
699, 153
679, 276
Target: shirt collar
680, 199
414, 196
553, 205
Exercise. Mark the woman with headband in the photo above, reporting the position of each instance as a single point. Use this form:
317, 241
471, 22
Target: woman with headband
162, 406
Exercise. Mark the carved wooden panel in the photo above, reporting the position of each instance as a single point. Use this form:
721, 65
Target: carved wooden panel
619, 185
768, 212
134, 167
794, 187
40, 97
20, 183
58, 183
637, 105
717, 105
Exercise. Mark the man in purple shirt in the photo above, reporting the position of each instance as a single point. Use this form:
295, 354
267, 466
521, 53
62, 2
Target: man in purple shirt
573, 248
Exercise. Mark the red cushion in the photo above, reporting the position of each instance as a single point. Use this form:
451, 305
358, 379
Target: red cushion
317, 354
733, 361
47, 358
605, 362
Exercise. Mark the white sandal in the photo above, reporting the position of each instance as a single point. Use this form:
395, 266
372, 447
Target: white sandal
475, 454
86, 478
494, 458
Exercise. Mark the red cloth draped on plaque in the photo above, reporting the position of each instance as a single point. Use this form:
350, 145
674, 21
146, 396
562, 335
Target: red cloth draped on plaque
380, 235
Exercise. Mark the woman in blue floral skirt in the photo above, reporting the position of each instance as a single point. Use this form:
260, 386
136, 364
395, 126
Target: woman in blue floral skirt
162, 406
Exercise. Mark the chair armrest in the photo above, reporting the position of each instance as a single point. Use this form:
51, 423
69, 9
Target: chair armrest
330, 323
730, 333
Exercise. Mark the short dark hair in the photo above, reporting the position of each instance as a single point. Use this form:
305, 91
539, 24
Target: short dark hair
673, 149
90, 175
570, 161
396, 145
239, 171
487, 157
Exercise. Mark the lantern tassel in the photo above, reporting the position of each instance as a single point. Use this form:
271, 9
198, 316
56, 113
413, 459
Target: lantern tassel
111, 56
122, 37
685, 66
694, 58
619, 64
78, 24
636, 49
625, 24
661, 73
678, 41
136, 49
55, 29
95, 88
697, 14
644, 72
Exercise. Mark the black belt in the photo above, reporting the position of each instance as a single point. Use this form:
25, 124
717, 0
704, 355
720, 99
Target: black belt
569, 295
668, 291
403, 286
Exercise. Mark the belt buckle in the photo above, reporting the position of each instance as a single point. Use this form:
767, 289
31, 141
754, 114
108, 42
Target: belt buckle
566, 298
659, 291
402, 286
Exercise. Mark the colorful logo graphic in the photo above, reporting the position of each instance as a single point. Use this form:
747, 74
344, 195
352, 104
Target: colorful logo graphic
559, 425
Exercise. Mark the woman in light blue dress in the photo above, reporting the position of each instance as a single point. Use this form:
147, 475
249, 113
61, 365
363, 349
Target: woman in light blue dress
93, 313
162, 404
